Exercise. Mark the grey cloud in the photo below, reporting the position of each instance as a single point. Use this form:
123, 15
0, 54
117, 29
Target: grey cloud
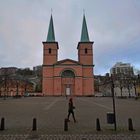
112, 25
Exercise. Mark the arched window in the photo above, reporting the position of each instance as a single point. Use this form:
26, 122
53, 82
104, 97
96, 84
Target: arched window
68, 73
85, 50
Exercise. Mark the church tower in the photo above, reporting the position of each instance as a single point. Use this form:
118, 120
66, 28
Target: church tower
50, 56
85, 57
50, 46
85, 52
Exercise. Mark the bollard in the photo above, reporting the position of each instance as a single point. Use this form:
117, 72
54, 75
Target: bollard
2, 127
66, 125
98, 128
130, 125
34, 125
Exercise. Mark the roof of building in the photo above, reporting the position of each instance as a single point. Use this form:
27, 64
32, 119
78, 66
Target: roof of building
51, 34
66, 61
84, 33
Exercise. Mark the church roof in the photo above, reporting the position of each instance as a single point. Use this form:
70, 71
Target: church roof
51, 35
84, 33
67, 62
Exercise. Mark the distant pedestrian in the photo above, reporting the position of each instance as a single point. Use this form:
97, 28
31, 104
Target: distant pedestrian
71, 108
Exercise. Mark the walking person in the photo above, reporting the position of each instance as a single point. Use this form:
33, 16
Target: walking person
71, 108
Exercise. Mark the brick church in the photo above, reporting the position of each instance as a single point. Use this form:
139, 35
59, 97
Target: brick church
68, 77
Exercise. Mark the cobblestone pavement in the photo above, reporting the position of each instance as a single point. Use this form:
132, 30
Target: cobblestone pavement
50, 113
70, 137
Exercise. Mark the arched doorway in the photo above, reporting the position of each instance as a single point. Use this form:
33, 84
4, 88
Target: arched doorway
68, 80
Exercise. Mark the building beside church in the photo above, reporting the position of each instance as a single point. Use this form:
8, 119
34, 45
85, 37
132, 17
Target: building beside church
122, 68
68, 77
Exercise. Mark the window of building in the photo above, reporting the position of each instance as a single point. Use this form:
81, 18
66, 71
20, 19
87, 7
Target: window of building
68, 73
85, 50
50, 50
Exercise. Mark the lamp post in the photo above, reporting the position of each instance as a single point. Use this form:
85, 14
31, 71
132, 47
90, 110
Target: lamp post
121, 83
113, 99
121, 90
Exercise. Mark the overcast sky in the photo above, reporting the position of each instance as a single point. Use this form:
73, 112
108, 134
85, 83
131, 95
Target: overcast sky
113, 25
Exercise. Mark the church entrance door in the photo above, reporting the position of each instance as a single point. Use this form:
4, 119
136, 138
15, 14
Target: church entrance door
68, 91
68, 80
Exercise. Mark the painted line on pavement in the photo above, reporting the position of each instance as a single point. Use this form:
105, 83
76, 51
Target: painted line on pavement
100, 105
51, 104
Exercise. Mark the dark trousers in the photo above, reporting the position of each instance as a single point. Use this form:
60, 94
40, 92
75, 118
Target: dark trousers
71, 112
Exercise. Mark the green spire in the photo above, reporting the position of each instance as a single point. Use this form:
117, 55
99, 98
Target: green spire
51, 35
84, 33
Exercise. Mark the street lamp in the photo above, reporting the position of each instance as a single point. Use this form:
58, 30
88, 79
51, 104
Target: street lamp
113, 99
121, 89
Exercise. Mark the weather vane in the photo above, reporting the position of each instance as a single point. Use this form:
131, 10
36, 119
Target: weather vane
84, 11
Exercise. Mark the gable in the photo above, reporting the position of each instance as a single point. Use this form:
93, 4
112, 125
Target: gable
67, 62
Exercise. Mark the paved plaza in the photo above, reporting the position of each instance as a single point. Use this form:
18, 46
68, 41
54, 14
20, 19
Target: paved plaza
50, 113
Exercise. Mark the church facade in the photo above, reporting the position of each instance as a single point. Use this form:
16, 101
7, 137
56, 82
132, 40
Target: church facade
68, 77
